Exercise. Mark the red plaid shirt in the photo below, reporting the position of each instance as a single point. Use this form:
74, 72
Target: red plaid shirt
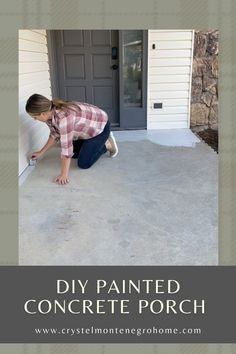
82, 121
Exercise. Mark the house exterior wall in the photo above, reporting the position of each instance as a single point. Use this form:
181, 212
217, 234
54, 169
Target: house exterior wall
204, 107
170, 55
34, 77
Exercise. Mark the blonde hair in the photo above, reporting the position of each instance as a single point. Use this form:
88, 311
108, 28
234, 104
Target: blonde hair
37, 104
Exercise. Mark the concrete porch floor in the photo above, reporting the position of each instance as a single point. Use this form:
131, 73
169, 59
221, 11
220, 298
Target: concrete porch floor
152, 205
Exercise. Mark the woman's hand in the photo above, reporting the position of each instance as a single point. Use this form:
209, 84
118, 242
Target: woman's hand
36, 155
62, 179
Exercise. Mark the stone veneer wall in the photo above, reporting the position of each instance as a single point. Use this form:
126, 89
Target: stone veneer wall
204, 98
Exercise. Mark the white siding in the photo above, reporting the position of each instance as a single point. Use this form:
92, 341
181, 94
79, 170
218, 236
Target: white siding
169, 78
34, 77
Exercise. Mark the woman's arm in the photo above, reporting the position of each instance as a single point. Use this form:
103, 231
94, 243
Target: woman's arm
51, 141
66, 128
63, 178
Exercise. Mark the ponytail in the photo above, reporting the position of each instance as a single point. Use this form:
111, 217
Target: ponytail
60, 104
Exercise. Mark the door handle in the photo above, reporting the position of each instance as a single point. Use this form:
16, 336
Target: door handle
114, 67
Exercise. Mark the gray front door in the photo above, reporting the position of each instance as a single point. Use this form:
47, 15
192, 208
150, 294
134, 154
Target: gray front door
87, 68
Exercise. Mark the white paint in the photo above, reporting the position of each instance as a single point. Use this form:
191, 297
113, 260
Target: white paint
34, 77
24, 175
166, 137
169, 78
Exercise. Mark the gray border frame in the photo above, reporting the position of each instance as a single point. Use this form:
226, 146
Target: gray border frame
158, 14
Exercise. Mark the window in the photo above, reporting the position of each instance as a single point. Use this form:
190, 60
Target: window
132, 67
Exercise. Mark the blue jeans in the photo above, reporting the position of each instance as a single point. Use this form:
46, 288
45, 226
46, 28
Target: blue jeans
88, 151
